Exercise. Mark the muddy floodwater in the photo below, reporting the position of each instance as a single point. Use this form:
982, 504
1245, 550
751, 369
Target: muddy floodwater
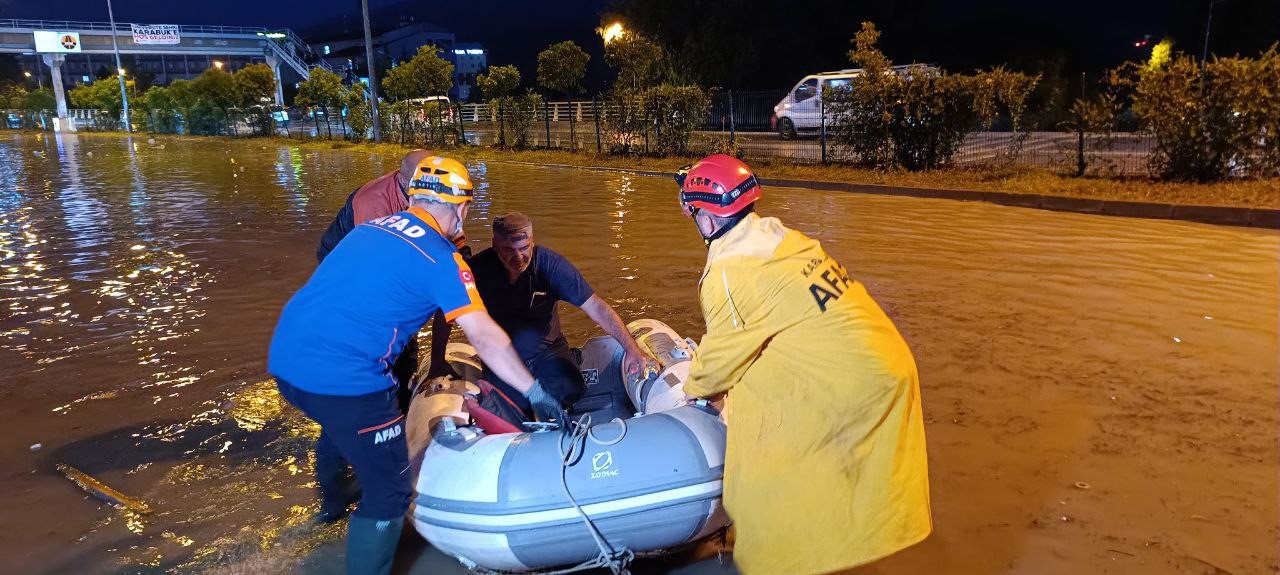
1100, 393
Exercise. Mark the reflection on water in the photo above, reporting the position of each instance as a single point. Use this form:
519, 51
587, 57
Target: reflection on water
139, 285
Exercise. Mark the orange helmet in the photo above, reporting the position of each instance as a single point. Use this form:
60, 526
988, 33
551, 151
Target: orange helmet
441, 179
720, 184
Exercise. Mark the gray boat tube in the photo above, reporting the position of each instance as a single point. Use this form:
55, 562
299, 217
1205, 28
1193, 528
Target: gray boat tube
498, 503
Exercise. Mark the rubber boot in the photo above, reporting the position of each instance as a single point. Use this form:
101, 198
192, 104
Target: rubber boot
371, 545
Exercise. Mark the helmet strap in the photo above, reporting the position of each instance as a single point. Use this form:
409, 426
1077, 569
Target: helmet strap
733, 222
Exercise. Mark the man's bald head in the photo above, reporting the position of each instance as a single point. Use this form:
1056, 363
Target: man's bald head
410, 163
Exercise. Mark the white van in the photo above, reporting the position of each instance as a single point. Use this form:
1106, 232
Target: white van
800, 112
446, 107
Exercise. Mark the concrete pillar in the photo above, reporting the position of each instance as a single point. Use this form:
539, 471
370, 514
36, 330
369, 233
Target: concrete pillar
54, 62
274, 62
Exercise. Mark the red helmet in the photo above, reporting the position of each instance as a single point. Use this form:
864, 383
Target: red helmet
720, 184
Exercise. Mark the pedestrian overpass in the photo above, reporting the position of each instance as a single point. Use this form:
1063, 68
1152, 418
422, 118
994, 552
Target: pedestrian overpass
277, 47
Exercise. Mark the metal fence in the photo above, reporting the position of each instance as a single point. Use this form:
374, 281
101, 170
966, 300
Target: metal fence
742, 123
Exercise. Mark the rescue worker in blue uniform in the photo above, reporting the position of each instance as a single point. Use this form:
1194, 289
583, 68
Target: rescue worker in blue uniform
338, 337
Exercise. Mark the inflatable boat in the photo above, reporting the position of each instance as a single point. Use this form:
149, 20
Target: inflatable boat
638, 470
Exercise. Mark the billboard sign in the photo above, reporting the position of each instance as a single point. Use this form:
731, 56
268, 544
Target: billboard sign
156, 34
57, 42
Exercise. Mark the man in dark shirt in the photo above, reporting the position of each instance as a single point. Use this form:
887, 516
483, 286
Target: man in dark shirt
521, 285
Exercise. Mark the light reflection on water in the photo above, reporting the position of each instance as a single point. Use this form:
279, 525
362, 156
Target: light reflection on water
139, 285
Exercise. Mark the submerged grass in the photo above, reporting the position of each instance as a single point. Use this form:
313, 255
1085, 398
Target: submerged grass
1256, 193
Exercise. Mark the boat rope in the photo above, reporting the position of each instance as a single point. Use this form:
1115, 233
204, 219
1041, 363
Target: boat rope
591, 432
615, 560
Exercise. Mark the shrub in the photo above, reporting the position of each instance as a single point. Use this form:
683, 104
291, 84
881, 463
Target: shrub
359, 112
521, 114
1210, 120
624, 120
676, 112
917, 117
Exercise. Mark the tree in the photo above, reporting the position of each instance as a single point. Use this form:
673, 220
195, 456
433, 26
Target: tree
160, 107
499, 82
12, 95
561, 68
638, 60
103, 94
255, 85
497, 86
37, 100
218, 88
426, 74
255, 88
183, 95
322, 89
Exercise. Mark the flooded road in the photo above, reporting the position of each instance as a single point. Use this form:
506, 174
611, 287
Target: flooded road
1100, 393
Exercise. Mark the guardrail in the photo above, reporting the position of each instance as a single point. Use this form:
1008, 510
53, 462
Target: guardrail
288, 49
74, 25
558, 111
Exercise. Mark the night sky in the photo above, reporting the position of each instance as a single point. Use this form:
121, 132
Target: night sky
1086, 34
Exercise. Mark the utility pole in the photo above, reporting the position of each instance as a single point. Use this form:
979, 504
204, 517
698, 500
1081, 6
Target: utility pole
1204, 55
373, 74
124, 96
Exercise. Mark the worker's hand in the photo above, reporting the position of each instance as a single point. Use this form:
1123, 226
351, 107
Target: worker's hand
544, 406
636, 366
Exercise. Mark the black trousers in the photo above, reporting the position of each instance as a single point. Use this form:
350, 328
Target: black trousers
554, 368
366, 432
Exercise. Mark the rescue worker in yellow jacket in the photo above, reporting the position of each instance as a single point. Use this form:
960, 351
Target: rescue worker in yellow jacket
825, 467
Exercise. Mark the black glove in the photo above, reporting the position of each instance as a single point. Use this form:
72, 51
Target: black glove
544, 405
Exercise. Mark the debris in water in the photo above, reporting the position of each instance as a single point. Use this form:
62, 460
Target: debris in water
1177, 340
1208, 317
1082, 485
151, 141
36, 446
103, 491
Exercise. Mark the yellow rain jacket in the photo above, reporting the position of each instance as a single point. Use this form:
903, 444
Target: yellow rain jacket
825, 467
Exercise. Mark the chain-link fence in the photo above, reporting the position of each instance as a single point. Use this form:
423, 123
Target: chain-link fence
770, 125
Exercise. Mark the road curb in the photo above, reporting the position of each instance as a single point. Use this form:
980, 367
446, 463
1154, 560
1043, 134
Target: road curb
1217, 215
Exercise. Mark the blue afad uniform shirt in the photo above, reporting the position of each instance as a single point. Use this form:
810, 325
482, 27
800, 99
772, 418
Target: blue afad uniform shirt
343, 330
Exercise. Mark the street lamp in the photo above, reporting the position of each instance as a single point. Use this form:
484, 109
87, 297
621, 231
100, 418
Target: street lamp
115, 47
121, 70
611, 32
373, 72
217, 64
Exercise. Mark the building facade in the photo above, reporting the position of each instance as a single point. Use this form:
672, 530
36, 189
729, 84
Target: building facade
347, 55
